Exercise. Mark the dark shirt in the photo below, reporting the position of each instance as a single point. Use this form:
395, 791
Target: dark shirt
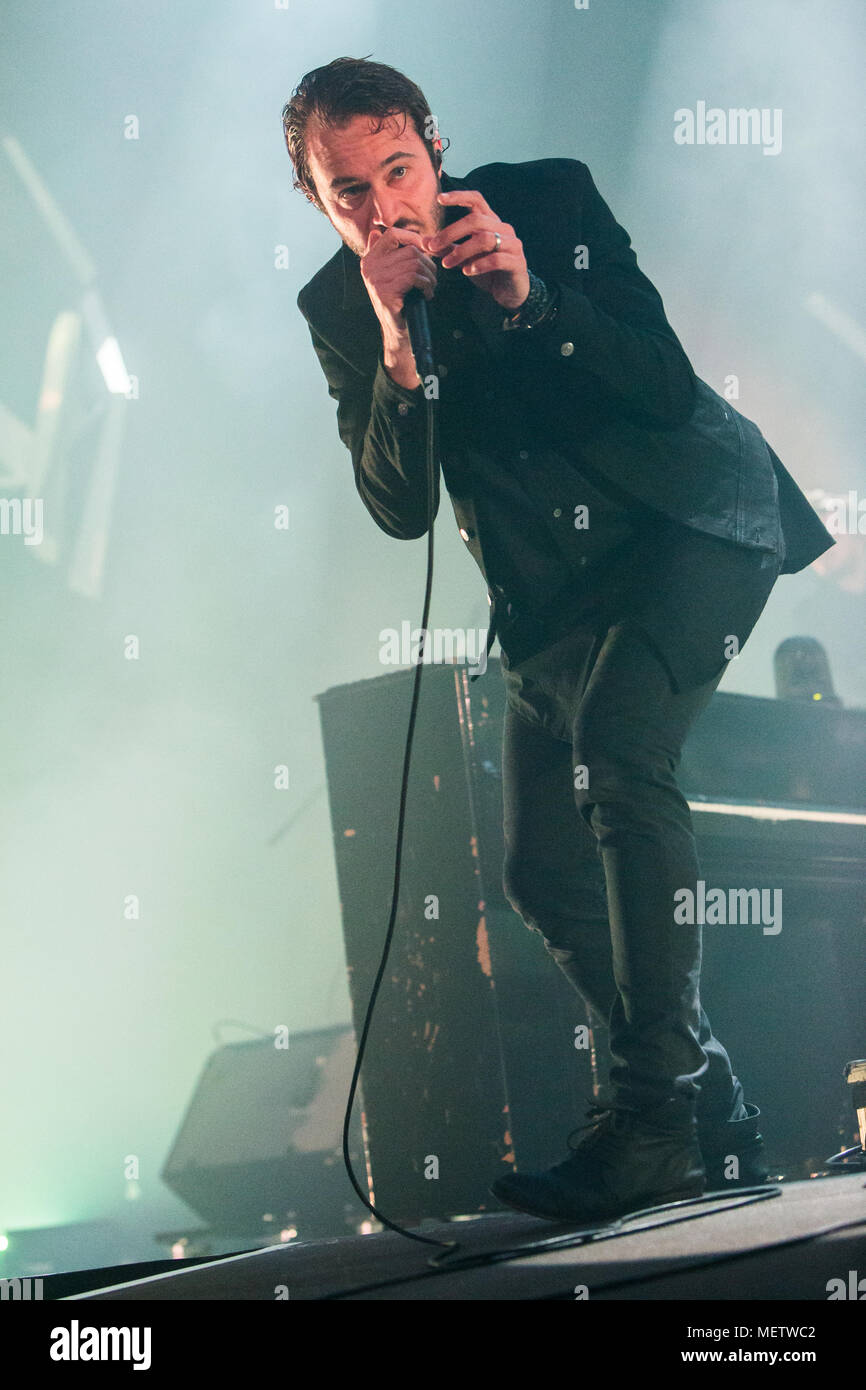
689, 592
543, 538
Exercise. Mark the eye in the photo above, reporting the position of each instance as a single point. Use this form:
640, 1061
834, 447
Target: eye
354, 189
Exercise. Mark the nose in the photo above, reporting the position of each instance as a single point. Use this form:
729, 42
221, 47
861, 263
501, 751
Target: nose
386, 208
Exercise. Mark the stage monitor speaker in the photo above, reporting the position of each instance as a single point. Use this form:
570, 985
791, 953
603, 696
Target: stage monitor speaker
260, 1146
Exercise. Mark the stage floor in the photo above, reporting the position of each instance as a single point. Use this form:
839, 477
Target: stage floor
786, 1246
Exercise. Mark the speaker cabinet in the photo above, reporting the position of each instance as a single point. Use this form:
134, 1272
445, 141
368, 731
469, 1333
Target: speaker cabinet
476, 1060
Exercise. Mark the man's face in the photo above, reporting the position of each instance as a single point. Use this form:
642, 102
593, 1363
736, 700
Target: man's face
365, 180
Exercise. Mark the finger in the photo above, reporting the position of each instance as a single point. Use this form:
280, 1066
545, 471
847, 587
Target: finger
425, 279
426, 285
455, 232
419, 282
403, 236
485, 263
476, 245
402, 255
393, 237
464, 198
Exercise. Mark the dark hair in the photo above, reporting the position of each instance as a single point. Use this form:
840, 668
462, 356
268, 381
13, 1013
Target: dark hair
345, 88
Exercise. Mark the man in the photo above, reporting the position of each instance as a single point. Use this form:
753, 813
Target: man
630, 525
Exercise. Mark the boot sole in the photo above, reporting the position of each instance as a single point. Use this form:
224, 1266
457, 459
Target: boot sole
650, 1199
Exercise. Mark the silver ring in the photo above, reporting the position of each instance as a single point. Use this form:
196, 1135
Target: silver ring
498, 243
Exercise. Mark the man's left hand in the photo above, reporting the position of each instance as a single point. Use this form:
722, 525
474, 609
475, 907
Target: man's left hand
503, 273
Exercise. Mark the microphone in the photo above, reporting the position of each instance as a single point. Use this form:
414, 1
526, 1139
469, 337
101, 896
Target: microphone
418, 324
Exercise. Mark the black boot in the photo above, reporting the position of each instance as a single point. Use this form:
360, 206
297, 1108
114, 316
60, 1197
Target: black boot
733, 1151
627, 1161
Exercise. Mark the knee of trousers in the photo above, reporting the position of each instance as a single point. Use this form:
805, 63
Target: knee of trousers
618, 775
521, 894
559, 924
607, 740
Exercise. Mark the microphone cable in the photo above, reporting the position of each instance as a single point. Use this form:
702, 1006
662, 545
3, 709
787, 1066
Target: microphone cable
416, 317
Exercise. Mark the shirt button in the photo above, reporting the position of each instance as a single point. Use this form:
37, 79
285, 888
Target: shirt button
567, 349
524, 454
442, 370
402, 408
458, 333
557, 511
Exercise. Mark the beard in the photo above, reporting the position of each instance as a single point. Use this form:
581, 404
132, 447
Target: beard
435, 215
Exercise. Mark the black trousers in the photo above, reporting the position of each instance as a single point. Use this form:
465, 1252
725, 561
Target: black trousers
598, 836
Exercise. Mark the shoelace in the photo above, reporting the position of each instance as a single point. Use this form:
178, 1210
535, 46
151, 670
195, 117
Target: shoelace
601, 1118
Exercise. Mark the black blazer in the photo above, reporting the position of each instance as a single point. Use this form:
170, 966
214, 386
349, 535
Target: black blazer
608, 382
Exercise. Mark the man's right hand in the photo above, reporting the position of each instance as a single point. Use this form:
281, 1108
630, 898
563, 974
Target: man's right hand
395, 261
